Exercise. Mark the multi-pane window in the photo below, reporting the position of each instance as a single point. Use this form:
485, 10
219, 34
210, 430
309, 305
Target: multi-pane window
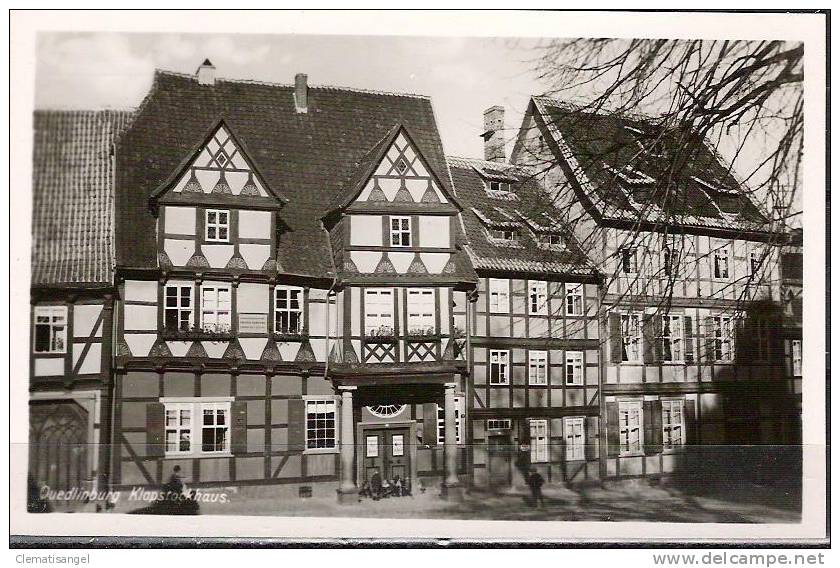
631, 337
574, 367
50, 329
721, 261
400, 231
499, 424
722, 338
441, 421
552, 240
504, 234
670, 262
178, 428
796, 357
288, 309
672, 338
379, 312
215, 308
574, 299
421, 311
539, 440
214, 427
673, 429
217, 225
178, 311
537, 297
321, 424
499, 367
537, 365
499, 290
627, 257
499, 186
630, 427
574, 436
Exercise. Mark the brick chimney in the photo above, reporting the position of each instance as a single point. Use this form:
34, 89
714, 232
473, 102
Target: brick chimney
494, 134
301, 93
206, 73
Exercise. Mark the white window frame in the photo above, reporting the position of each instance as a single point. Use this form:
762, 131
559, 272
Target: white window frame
630, 433
379, 322
673, 340
315, 405
796, 357
673, 431
631, 344
285, 306
537, 367
724, 338
179, 308
420, 311
632, 266
217, 225
500, 186
460, 409
574, 434
195, 408
538, 435
56, 321
498, 291
509, 235
499, 424
574, 363
502, 361
573, 299
219, 312
401, 233
551, 240
722, 254
537, 297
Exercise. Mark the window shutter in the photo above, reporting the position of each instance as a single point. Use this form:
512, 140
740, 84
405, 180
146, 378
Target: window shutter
657, 333
430, 434
386, 231
614, 324
655, 426
590, 426
297, 425
239, 427
744, 335
690, 422
647, 418
710, 339
155, 429
688, 334
613, 441
648, 338
777, 345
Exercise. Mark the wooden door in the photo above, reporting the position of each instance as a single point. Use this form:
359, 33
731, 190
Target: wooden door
397, 453
386, 449
499, 461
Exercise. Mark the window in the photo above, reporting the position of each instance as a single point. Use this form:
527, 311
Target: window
400, 231
50, 329
498, 424
379, 312
288, 310
796, 357
575, 442
320, 424
673, 433
215, 308
721, 263
631, 337
504, 234
421, 311
499, 296
178, 311
755, 263
670, 262
499, 186
672, 338
628, 260
537, 364
722, 338
499, 367
630, 427
217, 225
537, 297
214, 427
551, 240
574, 367
539, 440
574, 299
459, 416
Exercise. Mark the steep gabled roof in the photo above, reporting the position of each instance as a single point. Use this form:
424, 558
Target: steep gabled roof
528, 210
72, 196
624, 169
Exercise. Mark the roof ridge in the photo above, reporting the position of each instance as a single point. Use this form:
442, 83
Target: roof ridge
584, 108
80, 110
291, 85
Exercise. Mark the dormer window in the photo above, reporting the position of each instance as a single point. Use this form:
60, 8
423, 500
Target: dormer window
551, 240
504, 234
499, 186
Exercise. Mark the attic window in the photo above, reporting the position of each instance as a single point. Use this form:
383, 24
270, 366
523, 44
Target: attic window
499, 186
551, 240
504, 234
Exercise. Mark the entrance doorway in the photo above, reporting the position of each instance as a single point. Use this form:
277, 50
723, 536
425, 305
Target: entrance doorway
386, 449
499, 458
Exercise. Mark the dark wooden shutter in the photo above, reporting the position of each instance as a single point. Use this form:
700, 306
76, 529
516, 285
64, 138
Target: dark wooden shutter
690, 422
613, 441
688, 334
297, 425
386, 231
647, 338
430, 424
777, 344
239, 427
653, 426
590, 427
656, 337
647, 418
710, 338
155, 429
614, 325
744, 340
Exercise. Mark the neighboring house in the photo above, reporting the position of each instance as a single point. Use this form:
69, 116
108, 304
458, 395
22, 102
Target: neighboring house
690, 306
72, 298
791, 267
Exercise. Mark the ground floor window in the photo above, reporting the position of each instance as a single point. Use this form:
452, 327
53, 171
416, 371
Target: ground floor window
459, 416
539, 440
575, 441
182, 430
630, 426
321, 424
673, 430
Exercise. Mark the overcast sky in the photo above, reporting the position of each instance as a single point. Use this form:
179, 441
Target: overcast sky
463, 76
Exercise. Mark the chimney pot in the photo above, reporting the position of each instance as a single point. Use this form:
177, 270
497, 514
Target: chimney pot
206, 73
301, 93
494, 134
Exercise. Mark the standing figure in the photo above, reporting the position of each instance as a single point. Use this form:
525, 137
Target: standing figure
535, 483
376, 485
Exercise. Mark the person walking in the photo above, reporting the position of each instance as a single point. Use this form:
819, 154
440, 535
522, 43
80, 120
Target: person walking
535, 483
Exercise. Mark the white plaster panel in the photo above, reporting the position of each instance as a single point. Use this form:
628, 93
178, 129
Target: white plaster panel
93, 359
416, 187
140, 318
357, 346
207, 179
239, 162
253, 346
355, 299
179, 348
179, 220
217, 255
49, 367
140, 343
382, 168
365, 193
389, 186
401, 260
255, 255
443, 303
179, 250
434, 231
317, 319
254, 224
141, 290
84, 318
421, 171
215, 349
236, 179
319, 348
260, 188
438, 192
366, 230
288, 350
434, 261
365, 261
181, 183
252, 298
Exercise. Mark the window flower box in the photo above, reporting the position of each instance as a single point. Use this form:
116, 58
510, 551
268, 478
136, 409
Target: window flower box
197, 334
